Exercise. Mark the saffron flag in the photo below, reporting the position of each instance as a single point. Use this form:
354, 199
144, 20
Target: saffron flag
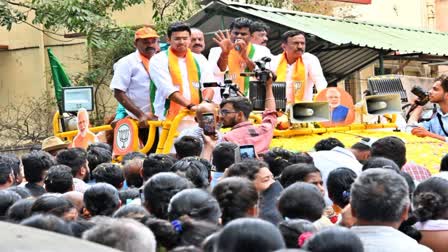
60, 78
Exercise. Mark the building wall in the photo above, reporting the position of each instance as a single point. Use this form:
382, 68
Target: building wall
24, 67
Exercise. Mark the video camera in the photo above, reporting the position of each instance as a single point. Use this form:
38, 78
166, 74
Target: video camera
422, 95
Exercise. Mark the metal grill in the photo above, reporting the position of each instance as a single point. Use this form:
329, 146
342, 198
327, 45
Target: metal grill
382, 86
257, 95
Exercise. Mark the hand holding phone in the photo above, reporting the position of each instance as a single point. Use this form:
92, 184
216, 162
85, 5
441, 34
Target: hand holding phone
209, 124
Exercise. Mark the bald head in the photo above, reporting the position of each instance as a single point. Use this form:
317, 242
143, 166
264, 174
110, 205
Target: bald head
76, 198
132, 171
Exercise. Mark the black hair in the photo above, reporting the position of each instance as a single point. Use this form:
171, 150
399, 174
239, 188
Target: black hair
443, 82
250, 234
49, 223
301, 201
22, 191
235, 197
301, 157
59, 179
292, 229
102, 145
194, 170
13, 162
431, 199
75, 158
131, 156
246, 168
51, 204
160, 189
339, 182
296, 172
35, 164
328, 144
188, 146
7, 199
240, 22
361, 147
380, 162
178, 27
79, 226
240, 104
164, 232
109, 173
444, 163
194, 232
128, 194
390, 147
136, 212
410, 181
97, 156
277, 159
334, 239
156, 163
290, 34
223, 155
5, 170
209, 244
20, 210
101, 199
258, 26
195, 203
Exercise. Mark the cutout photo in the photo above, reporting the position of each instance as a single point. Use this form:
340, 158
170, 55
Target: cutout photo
340, 104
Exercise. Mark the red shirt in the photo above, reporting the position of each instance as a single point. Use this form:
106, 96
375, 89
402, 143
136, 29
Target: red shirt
259, 136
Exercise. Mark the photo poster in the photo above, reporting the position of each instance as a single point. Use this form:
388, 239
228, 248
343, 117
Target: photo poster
342, 110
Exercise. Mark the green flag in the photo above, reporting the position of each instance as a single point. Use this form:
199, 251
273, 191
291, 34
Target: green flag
60, 78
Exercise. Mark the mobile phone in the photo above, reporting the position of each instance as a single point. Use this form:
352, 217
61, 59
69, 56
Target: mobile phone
208, 122
247, 152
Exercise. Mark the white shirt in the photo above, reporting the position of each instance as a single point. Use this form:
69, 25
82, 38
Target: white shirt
386, 239
162, 79
313, 73
131, 77
442, 174
215, 53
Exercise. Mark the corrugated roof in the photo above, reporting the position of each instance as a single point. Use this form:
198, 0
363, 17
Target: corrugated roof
342, 46
341, 31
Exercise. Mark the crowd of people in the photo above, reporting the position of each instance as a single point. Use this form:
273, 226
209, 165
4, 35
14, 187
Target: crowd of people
208, 196
362, 198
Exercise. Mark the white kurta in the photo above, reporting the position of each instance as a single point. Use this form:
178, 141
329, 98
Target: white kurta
158, 68
313, 73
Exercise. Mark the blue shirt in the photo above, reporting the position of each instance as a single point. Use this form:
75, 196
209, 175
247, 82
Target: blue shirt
434, 126
339, 113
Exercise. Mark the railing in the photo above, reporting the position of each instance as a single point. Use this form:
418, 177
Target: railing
169, 130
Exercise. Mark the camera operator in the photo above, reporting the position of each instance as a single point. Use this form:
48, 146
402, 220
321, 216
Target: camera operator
437, 127
235, 113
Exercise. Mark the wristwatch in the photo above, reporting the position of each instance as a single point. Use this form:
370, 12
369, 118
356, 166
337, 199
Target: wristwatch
208, 100
189, 106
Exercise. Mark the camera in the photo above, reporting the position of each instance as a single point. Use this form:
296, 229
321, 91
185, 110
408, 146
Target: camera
422, 95
262, 73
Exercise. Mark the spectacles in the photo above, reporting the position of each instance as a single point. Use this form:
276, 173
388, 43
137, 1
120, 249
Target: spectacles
224, 112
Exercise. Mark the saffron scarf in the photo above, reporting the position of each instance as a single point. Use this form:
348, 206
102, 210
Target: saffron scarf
298, 78
193, 79
236, 65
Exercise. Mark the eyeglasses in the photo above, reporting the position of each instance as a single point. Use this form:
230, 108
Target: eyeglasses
225, 112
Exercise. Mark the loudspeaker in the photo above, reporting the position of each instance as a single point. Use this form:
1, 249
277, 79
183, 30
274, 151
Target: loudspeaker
383, 104
309, 112
257, 95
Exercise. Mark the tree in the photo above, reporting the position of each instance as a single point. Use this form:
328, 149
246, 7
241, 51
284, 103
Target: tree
168, 11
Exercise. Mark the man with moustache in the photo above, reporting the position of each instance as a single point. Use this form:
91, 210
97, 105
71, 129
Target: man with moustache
259, 33
131, 81
197, 41
300, 70
236, 53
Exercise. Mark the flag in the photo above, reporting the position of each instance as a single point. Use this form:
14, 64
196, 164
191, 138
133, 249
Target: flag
60, 78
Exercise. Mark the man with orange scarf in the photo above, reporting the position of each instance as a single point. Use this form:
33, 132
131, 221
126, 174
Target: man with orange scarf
177, 74
236, 54
301, 71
